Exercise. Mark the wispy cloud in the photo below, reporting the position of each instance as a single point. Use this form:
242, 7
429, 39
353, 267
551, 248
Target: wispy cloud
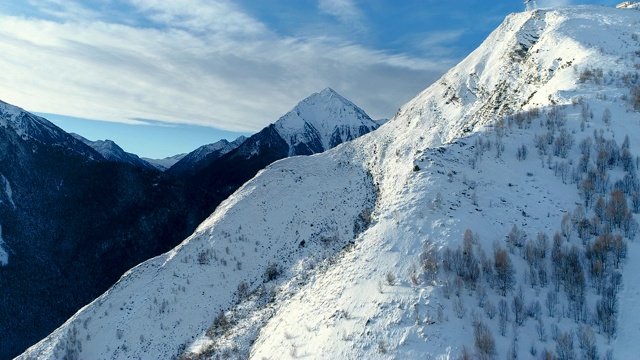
440, 43
200, 15
206, 63
345, 11
64, 9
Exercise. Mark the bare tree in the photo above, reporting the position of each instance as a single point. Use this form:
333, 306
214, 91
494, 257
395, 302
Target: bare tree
616, 209
587, 191
484, 342
607, 312
516, 238
504, 271
606, 116
429, 259
503, 316
564, 347
551, 303
518, 308
587, 343
541, 330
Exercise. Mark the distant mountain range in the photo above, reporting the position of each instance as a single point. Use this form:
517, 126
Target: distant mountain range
165, 163
112, 152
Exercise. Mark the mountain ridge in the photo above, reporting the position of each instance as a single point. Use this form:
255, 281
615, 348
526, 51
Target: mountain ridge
113, 152
164, 163
29, 126
193, 161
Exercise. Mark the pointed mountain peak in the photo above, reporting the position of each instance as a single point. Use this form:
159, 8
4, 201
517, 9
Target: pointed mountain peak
322, 121
327, 94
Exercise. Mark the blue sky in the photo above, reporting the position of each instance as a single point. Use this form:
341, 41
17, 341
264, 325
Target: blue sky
163, 77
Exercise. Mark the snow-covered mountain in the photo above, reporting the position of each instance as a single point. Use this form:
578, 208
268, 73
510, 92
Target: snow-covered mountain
318, 123
112, 152
321, 122
211, 152
31, 127
493, 215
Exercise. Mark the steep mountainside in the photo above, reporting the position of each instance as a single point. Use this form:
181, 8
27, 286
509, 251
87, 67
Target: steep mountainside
112, 152
203, 156
493, 216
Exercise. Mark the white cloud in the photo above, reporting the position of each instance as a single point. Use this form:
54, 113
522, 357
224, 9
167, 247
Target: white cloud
440, 43
217, 67
438, 38
200, 15
344, 10
63, 9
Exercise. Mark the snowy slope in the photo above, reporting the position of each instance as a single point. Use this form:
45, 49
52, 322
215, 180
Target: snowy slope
286, 257
32, 127
112, 152
226, 253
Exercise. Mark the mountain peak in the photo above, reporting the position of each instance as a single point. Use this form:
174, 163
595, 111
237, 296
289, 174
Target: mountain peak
328, 92
322, 121
532, 60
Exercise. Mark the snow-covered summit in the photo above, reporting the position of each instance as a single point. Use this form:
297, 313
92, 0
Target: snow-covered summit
322, 121
531, 60
324, 256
